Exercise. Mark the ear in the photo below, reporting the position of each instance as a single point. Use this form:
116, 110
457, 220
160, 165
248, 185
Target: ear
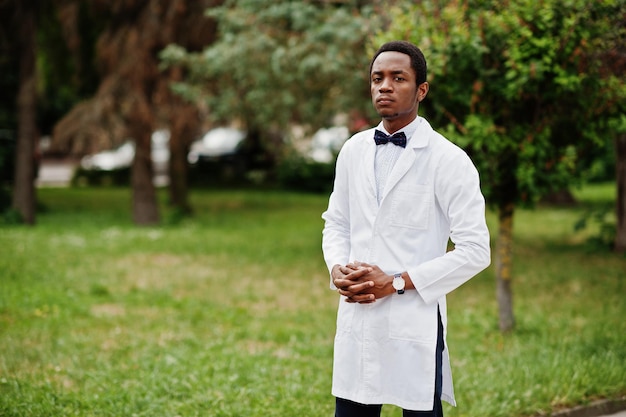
422, 90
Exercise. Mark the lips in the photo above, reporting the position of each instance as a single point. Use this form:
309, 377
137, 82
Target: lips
384, 100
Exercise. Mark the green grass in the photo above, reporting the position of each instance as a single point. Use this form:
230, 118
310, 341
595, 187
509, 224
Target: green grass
228, 313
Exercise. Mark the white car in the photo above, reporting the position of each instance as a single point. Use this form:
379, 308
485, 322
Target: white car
216, 143
326, 143
122, 156
118, 158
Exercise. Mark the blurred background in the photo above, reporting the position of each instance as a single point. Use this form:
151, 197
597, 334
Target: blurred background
216, 111
181, 93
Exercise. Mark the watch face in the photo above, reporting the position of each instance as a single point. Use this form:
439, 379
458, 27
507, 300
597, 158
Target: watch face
398, 284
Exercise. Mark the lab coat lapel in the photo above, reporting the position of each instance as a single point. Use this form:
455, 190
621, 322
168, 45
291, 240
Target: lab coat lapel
368, 164
407, 158
404, 163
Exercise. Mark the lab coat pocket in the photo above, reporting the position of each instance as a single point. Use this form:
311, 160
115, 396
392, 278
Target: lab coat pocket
411, 207
345, 315
411, 319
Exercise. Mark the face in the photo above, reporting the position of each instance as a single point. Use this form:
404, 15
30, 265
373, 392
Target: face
395, 94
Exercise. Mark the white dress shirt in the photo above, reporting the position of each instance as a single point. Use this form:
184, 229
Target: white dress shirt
388, 154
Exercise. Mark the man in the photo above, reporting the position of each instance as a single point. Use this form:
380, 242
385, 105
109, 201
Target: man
392, 210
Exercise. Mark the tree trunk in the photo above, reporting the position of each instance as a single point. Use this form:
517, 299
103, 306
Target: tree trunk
145, 204
504, 255
24, 186
182, 132
184, 121
620, 170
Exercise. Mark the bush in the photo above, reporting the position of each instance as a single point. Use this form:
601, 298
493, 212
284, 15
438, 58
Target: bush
297, 173
228, 171
84, 177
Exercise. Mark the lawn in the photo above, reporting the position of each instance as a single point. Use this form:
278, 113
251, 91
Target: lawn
228, 313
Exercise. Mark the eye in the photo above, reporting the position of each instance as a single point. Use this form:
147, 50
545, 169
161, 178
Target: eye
400, 79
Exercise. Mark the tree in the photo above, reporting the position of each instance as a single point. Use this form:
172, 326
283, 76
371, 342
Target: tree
515, 83
133, 97
63, 74
613, 57
278, 63
620, 235
24, 198
9, 84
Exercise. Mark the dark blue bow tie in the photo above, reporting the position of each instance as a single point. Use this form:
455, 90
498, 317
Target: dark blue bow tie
398, 139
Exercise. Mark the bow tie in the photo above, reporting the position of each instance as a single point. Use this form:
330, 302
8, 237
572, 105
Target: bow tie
398, 139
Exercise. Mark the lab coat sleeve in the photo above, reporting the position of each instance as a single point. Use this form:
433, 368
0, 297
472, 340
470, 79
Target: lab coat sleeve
458, 195
336, 232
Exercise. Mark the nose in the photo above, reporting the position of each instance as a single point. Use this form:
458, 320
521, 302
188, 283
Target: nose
385, 86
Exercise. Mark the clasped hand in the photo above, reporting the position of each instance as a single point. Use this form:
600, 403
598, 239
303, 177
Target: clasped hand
361, 283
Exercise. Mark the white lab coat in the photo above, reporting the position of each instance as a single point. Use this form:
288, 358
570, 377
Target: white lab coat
385, 351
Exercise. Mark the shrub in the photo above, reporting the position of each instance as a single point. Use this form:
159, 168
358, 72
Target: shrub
297, 173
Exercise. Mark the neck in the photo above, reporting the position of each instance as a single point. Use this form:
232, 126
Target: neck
393, 125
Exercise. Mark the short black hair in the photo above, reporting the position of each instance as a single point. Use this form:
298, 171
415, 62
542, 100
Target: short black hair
418, 62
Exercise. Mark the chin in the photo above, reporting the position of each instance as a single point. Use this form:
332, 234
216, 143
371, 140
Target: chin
388, 116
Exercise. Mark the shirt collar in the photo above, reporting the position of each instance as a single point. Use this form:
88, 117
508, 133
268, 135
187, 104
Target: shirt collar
408, 129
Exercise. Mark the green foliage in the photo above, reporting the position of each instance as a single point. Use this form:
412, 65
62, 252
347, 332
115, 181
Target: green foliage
597, 217
10, 216
522, 86
604, 221
600, 157
228, 313
277, 63
297, 173
94, 177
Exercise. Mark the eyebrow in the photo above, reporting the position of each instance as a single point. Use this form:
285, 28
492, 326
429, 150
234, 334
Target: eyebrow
394, 72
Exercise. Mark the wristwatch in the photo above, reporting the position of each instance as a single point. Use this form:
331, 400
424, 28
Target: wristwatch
398, 283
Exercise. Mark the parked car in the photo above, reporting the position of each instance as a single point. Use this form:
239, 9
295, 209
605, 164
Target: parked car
215, 144
122, 156
326, 143
118, 158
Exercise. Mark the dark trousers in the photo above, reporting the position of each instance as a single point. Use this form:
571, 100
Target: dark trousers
347, 408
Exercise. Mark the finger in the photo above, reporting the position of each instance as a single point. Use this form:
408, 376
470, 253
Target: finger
343, 283
343, 270
354, 265
346, 293
360, 287
358, 273
361, 298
